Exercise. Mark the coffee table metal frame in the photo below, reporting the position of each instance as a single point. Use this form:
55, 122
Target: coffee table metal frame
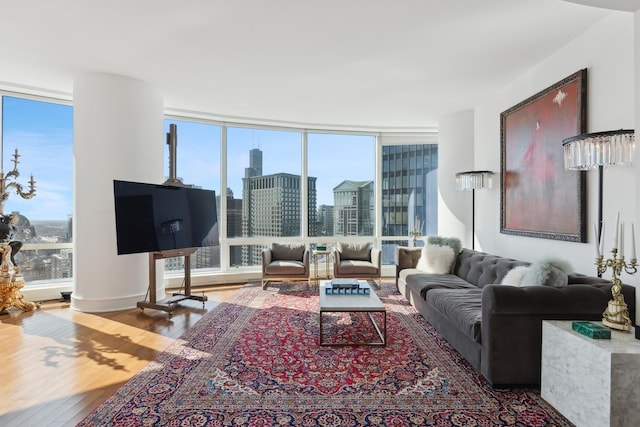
350, 304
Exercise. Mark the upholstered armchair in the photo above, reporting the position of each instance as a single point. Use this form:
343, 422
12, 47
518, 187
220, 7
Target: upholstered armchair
357, 261
285, 263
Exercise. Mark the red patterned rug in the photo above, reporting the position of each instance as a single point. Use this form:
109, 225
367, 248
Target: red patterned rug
255, 360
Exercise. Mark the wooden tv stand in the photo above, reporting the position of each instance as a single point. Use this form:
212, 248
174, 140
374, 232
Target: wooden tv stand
169, 304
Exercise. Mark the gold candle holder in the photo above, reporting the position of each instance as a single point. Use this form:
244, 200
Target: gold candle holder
415, 235
616, 315
416, 232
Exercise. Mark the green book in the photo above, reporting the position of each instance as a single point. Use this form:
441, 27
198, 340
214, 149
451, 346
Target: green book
591, 330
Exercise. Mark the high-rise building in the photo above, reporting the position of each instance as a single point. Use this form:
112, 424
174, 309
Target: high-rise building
353, 213
324, 224
271, 205
62, 264
234, 226
409, 189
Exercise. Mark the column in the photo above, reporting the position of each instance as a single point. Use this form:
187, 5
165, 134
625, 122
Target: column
118, 134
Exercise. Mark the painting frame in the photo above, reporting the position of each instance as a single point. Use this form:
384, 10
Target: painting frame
538, 196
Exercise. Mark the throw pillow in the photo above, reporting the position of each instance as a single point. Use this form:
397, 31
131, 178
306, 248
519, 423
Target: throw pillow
355, 251
515, 275
453, 242
293, 251
436, 259
548, 272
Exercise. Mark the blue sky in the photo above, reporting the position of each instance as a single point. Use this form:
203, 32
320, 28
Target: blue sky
46, 151
332, 158
43, 134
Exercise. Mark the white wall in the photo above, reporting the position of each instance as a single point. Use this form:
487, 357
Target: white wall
455, 154
606, 50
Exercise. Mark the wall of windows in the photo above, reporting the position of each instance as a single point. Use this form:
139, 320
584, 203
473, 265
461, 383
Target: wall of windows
197, 164
271, 184
344, 165
37, 141
409, 193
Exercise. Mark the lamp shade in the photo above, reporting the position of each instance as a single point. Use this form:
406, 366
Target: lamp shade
473, 180
591, 150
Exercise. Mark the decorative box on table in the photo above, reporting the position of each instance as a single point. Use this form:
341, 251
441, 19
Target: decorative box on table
591, 330
347, 287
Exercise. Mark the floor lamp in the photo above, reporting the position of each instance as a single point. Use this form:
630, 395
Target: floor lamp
473, 180
598, 150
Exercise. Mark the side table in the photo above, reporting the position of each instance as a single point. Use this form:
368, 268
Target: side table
327, 256
592, 382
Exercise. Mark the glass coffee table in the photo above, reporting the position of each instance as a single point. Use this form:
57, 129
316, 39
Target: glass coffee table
370, 304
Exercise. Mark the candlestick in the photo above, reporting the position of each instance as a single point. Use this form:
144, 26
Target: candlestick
602, 239
8, 182
615, 232
595, 232
633, 242
621, 251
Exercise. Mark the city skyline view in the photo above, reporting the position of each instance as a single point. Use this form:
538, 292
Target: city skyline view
281, 154
42, 132
340, 167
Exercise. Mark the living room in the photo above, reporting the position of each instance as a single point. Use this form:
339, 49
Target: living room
607, 50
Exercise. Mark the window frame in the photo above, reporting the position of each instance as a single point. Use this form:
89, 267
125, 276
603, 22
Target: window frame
227, 271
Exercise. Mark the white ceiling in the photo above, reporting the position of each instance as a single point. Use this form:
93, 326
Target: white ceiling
378, 64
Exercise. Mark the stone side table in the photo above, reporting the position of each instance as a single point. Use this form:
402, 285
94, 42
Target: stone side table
592, 382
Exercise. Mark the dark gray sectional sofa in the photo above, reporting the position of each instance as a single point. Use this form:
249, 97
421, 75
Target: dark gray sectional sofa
498, 328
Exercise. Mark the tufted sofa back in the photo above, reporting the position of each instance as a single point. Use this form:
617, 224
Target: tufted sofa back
480, 268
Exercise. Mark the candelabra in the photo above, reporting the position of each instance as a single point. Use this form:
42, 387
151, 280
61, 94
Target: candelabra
416, 232
11, 280
616, 315
8, 181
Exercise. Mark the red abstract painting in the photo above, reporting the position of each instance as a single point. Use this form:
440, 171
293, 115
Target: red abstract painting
539, 198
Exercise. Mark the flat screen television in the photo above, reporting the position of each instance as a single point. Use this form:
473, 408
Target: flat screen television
154, 218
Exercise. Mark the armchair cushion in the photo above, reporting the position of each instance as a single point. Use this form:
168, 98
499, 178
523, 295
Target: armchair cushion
287, 252
285, 268
355, 251
357, 268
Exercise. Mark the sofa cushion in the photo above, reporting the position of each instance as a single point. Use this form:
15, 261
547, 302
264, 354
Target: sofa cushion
463, 308
436, 259
407, 258
356, 251
420, 282
480, 268
292, 251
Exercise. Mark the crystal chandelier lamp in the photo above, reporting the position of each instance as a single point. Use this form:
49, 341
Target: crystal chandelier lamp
472, 181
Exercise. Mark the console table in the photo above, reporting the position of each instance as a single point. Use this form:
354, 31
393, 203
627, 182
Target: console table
592, 382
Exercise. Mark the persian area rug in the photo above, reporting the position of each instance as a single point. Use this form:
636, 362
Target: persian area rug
255, 360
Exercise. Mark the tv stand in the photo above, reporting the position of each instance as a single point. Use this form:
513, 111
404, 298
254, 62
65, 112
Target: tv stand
169, 304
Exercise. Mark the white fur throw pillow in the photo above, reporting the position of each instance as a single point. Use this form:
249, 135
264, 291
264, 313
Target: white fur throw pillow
436, 259
515, 275
548, 272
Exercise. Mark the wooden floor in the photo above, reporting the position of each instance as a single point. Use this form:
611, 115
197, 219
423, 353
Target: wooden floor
58, 364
